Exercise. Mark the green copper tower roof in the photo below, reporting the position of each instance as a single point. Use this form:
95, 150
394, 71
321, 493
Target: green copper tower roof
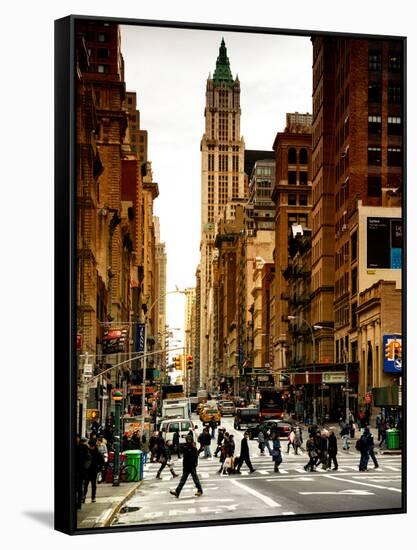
223, 72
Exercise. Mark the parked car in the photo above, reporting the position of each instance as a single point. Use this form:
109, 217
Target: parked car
246, 417
227, 407
281, 428
168, 428
208, 413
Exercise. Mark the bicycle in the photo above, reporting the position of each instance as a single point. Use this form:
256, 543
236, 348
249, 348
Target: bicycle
127, 472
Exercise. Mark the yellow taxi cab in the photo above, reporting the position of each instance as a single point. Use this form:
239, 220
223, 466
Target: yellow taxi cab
209, 413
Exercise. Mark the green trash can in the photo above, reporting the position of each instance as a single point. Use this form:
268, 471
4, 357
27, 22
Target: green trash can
133, 465
393, 439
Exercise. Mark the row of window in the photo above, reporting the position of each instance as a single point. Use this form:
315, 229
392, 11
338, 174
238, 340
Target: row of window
394, 156
375, 61
302, 199
300, 177
92, 36
393, 124
102, 53
375, 92
302, 156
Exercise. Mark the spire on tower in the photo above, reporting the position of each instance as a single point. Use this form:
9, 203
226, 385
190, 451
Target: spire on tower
222, 72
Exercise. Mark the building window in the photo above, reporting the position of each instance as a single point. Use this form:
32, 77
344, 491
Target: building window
354, 281
394, 94
353, 316
103, 37
394, 126
292, 199
303, 156
292, 156
374, 124
374, 186
374, 156
303, 200
103, 53
354, 246
374, 93
303, 178
292, 177
394, 156
394, 62
102, 68
374, 61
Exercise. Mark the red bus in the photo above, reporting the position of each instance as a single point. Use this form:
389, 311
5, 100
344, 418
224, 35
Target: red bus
272, 404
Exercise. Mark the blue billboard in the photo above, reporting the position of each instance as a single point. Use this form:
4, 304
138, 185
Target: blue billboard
392, 349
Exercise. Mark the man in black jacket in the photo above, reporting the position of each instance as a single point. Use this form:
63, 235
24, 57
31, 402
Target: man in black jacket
244, 454
332, 450
93, 469
189, 466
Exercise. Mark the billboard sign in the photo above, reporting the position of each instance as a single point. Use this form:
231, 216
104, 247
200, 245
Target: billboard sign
384, 243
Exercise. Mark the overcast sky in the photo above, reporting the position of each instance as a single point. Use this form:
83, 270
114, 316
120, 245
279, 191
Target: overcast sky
168, 69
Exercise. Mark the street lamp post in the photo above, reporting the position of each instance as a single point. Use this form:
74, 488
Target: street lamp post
117, 398
313, 357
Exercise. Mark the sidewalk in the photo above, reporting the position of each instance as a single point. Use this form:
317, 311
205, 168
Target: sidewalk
109, 500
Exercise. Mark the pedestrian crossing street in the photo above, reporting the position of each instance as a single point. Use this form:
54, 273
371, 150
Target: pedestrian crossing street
291, 465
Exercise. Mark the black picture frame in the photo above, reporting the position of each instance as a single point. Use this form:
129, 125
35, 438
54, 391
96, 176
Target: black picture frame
65, 274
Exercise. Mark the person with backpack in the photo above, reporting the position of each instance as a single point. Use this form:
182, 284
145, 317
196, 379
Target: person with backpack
345, 431
312, 453
371, 446
276, 452
220, 437
261, 442
362, 445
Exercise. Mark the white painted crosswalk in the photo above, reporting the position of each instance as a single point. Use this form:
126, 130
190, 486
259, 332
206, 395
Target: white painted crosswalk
264, 467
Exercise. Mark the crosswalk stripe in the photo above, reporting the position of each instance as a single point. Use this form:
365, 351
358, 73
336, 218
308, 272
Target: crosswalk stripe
263, 472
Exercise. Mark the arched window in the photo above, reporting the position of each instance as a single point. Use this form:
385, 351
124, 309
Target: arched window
303, 156
292, 156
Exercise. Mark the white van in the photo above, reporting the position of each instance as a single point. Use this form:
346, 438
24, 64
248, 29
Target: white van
168, 428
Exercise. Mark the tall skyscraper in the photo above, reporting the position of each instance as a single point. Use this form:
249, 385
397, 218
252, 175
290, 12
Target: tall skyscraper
222, 180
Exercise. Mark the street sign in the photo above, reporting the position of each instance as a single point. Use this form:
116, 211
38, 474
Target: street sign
88, 369
333, 377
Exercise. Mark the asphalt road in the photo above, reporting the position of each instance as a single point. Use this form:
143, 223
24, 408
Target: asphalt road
265, 493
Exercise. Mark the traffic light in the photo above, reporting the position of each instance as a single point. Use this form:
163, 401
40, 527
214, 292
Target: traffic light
189, 362
178, 362
397, 350
389, 350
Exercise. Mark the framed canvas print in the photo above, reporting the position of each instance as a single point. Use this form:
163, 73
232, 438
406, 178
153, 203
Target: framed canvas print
230, 254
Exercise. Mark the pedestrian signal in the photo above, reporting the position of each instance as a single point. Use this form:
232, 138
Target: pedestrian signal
189, 362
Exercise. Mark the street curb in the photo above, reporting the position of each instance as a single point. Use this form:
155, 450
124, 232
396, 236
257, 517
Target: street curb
110, 515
